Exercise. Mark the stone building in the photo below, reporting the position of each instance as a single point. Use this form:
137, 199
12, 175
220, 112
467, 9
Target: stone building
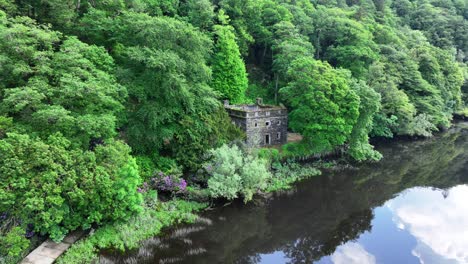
264, 125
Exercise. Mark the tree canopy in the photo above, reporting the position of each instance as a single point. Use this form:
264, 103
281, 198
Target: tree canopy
89, 89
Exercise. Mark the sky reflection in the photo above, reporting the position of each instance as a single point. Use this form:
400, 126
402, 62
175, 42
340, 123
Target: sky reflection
352, 253
439, 224
421, 225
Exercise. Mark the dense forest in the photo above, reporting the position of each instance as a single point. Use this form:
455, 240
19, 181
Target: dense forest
99, 99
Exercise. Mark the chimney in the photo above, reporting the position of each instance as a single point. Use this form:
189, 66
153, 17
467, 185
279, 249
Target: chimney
226, 102
259, 101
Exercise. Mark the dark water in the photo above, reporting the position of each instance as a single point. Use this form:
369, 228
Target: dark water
412, 207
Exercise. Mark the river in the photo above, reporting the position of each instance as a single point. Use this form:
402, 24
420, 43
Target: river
412, 207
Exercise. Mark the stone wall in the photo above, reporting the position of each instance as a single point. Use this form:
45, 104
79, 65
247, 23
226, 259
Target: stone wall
267, 128
263, 126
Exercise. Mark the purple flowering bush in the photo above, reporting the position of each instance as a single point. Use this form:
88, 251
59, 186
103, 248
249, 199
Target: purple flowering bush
165, 183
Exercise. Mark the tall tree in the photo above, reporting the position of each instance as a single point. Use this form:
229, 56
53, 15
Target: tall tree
324, 108
49, 83
369, 105
229, 75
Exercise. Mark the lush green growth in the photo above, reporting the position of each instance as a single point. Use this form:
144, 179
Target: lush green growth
229, 76
324, 107
13, 244
359, 147
287, 174
233, 171
79, 80
128, 235
57, 189
60, 166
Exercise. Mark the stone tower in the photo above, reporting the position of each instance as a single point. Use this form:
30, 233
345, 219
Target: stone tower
264, 125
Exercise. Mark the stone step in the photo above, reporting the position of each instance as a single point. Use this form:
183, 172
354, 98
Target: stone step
49, 251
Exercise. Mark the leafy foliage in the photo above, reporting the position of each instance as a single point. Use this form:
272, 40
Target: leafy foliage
233, 172
57, 189
359, 147
287, 174
79, 78
127, 235
324, 107
229, 76
13, 243
52, 84
60, 104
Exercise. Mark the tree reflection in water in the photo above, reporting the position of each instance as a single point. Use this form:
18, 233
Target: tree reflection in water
322, 214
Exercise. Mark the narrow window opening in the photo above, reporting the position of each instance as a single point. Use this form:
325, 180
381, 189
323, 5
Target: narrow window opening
267, 139
267, 113
256, 125
278, 135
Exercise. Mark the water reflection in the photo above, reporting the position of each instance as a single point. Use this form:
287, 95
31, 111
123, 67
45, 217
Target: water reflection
350, 216
352, 253
440, 227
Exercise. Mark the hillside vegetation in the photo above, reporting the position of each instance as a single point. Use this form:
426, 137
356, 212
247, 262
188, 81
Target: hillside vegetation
98, 96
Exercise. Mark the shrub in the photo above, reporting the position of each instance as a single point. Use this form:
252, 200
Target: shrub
227, 186
170, 183
289, 173
255, 176
421, 126
57, 188
270, 154
14, 243
127, 235
146, 166
463, 112
233, 172
165, 164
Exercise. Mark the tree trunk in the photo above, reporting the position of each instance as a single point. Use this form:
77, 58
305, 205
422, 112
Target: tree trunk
276, 89
317, 45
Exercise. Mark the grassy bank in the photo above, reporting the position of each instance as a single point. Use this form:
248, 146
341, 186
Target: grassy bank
127, 235
157, 215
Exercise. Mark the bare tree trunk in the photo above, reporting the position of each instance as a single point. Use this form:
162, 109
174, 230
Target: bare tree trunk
318, 45
276, 89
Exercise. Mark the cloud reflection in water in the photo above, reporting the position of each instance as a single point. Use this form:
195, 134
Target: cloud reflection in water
439, 223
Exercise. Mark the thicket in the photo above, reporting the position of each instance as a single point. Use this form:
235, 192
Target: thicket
98, 96
233, 171
127, 235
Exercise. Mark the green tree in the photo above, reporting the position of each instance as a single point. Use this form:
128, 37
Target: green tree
199, 13
50, 84
369, 105
171, 106
324, 108
229, 76
232, 172
343, 41
57, 188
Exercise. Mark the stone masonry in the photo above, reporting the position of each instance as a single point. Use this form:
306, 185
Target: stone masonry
264, 125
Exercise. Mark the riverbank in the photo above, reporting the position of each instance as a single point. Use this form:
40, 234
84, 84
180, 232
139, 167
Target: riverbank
321, 214
121, 236
159, 215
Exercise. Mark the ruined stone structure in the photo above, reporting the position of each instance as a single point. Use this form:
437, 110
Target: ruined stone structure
264, 125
